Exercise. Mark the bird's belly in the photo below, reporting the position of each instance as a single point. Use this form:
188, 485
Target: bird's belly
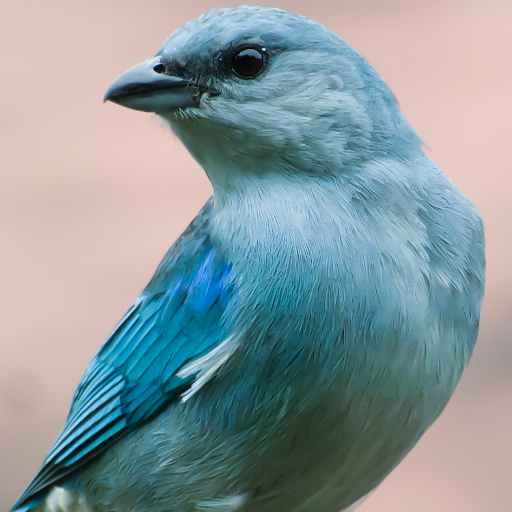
294, 451
328, 463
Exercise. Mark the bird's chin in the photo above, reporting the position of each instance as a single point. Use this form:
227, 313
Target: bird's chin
201, 111
182, 116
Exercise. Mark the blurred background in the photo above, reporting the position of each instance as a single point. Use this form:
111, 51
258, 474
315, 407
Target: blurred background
92, 195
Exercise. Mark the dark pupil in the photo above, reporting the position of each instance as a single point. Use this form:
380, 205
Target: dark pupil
248, 63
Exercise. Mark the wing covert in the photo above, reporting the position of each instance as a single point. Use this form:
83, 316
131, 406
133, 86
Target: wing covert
176, 320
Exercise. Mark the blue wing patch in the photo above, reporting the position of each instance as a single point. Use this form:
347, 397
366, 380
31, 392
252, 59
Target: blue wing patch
135, 374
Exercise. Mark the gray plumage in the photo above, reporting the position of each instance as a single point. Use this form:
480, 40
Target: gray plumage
316, 316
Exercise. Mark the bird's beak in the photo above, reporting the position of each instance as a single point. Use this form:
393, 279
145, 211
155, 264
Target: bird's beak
148, 88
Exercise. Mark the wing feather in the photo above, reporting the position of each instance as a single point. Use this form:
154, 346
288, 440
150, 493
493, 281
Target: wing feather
177, 320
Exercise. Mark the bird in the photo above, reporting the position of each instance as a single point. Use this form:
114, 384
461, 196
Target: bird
312, 321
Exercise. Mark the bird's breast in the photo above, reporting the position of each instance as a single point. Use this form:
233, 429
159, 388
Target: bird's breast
344, 358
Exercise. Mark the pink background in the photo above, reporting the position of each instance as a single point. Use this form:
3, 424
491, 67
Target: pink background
92, 195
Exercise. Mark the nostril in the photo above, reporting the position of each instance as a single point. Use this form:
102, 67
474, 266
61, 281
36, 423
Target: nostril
159, 68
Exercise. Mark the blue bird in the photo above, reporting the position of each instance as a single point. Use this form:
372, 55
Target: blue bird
315, 317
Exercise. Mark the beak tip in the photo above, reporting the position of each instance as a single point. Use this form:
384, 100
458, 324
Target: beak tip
107, 95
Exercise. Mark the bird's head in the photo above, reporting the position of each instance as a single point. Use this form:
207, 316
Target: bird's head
255, 90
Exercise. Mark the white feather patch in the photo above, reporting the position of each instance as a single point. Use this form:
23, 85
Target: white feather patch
229, 504
62, 500
205, 367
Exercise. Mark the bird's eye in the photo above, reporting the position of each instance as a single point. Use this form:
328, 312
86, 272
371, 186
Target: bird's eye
248, 62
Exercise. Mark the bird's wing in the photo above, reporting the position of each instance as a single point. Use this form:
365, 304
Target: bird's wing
168, 342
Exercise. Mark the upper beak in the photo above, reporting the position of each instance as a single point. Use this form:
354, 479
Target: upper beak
143, 88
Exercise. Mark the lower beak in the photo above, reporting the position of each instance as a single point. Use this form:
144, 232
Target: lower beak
144, 87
